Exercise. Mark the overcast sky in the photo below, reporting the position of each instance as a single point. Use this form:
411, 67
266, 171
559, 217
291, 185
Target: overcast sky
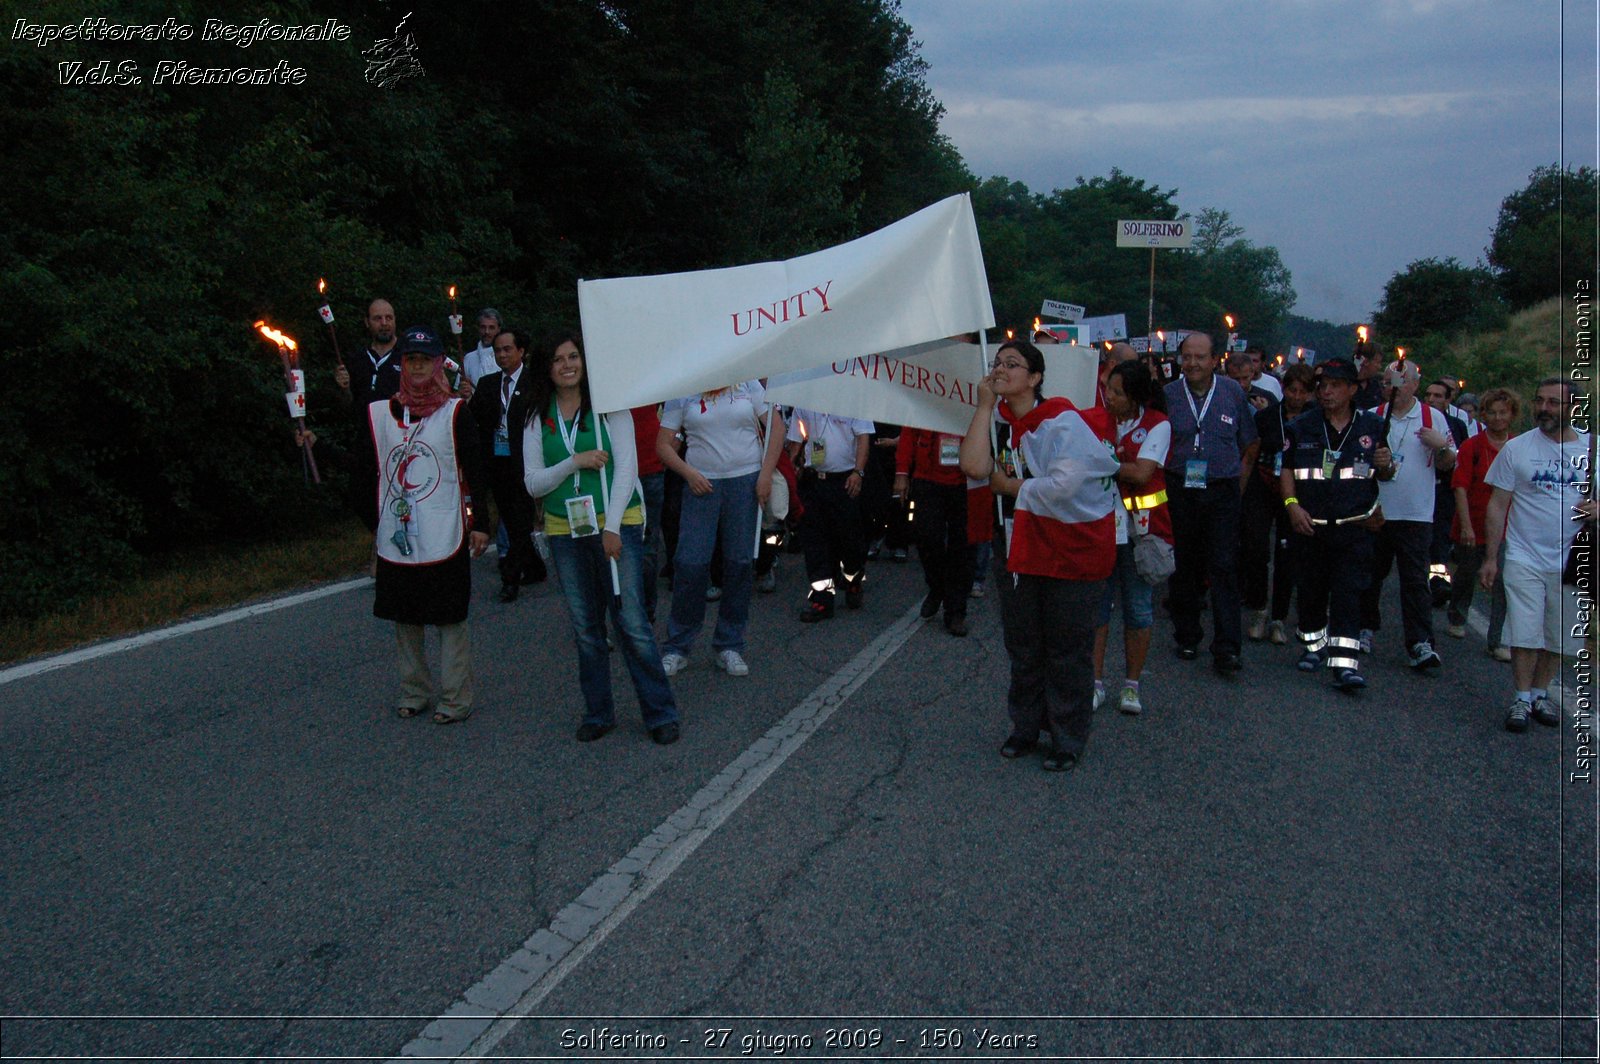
1355, 136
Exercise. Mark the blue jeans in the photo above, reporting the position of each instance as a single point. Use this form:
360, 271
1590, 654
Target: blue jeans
1138, 597
731, 507
586, 585
654, 488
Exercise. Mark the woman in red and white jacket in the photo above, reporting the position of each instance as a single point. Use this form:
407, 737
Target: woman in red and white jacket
1056, 482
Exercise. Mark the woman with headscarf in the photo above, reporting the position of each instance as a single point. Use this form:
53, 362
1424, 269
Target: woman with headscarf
421, 455
584, 468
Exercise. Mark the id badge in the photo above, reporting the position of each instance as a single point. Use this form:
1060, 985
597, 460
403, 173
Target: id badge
819, 454
1360, 468
581, 519
1194, 473
1330, 462
949, 451
1277, 464
502, 445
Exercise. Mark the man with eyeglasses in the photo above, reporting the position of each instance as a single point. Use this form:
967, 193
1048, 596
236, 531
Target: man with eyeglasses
1213, 454
1542, 496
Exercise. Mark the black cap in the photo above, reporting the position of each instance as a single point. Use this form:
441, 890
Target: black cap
1338, 368
420, 341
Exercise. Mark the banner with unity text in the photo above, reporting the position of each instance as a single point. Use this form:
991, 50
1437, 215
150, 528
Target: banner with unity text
921, 279
932, 386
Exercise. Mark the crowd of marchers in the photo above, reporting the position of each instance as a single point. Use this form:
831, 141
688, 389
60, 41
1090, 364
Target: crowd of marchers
1272, 505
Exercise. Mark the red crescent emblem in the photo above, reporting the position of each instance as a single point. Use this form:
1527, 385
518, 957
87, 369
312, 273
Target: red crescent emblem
400, 473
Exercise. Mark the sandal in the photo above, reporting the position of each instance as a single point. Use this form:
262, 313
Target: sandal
441, 717
407, 712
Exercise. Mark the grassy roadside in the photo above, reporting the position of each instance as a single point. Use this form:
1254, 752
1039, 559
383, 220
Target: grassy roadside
196, 582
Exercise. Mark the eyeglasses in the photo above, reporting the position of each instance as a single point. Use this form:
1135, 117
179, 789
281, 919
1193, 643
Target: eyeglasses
1011, 365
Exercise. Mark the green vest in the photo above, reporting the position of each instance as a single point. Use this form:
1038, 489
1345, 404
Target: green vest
591, 436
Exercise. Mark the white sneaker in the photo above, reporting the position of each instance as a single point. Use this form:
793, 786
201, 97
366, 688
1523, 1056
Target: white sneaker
1276, 633
672, 664
730, 662
1500, 653
1099, 696
1258, 625
1456, 631
1130, 703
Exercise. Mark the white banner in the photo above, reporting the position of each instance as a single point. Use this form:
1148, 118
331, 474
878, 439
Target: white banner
1154, 234
932, 386
1065, 311
921, 279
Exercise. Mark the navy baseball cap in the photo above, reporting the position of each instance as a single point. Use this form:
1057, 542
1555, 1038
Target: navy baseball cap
420, 341
1338, 368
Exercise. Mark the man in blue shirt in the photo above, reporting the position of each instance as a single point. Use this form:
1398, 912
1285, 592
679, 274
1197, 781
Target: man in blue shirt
1212, 457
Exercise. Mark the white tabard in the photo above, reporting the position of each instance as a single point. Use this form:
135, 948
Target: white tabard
419, 485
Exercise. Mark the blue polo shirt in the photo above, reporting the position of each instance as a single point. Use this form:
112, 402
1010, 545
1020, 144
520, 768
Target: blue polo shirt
1228, 427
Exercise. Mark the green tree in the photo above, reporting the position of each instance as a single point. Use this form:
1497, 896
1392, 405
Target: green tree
1437, 296
1545, 235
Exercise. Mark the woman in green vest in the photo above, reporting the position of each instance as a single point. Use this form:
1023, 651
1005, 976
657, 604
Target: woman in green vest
584, 468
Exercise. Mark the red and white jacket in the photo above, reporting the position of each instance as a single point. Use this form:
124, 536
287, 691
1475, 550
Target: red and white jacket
1147, 503
1064, 519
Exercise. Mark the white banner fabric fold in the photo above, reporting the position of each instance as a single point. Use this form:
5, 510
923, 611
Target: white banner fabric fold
648, 339
931, 386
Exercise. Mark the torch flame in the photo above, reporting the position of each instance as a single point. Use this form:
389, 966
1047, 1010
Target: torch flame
1401, 352
804, 435
1460, 383
1361, 333
1229, 319
322, 285
1011, 334
1162, 337
281, 339
452, 291
1035, 324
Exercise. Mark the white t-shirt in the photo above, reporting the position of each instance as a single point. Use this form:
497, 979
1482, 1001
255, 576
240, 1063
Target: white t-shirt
1268, 383
723, 430
1409, 496
830, 442
1154, 447
479, 362
1546, 480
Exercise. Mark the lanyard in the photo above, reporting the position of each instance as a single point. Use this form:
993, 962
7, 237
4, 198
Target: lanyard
1199, 415
1328, 442
570, 439
377, 364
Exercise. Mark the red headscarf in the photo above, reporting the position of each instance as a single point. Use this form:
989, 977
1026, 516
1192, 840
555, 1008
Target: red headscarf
423, 399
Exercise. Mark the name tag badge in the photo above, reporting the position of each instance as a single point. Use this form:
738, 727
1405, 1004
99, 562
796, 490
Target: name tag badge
1361, 468
1194, 473
581, 519
502, 445
1330, 462
819, 454
1277, 464
949, 451
1226, 420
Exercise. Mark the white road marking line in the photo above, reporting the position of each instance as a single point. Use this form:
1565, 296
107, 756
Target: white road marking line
133, 642
492, 1008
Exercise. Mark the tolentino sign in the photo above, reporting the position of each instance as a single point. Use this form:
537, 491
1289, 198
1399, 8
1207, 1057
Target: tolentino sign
1154, 234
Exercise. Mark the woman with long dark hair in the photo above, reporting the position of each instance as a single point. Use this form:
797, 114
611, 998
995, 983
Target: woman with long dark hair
584, 468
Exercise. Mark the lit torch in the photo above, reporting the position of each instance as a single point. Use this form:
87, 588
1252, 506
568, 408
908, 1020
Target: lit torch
326, 312
455, 319
294, 381
1227, 319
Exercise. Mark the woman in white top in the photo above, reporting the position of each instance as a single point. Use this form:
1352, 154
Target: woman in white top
727, 468
586, 471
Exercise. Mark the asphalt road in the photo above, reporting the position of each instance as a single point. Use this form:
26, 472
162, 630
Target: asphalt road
226, 845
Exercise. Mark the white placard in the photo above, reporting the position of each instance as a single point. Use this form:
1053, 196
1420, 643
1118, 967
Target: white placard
918, 280
1064, 311
1155, 233
1106, 327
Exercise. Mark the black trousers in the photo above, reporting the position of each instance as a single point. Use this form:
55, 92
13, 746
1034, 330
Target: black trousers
1265, 539
522, 563
1049, 631
831, 530
1335, 566
947, 557
1205, 529
1404, 545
